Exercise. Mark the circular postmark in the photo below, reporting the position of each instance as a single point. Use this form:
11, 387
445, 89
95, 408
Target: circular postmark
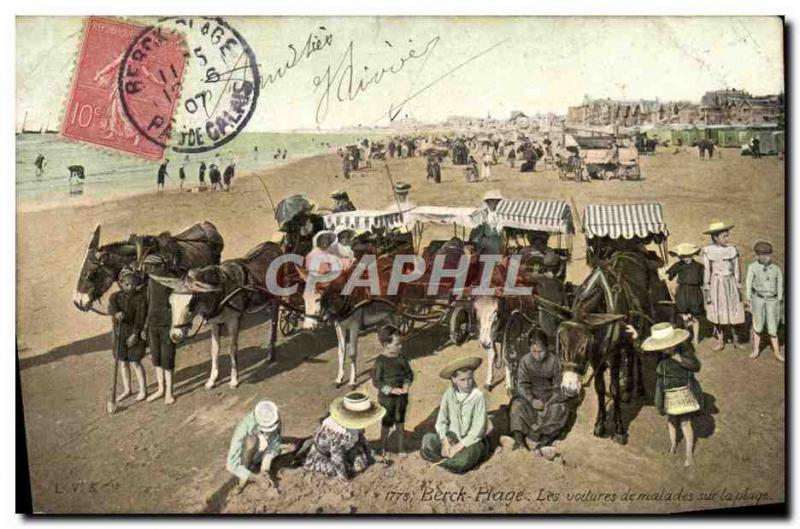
189, 83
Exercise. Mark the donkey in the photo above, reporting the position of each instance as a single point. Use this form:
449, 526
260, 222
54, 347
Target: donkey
618, 289
222, 295
198, 245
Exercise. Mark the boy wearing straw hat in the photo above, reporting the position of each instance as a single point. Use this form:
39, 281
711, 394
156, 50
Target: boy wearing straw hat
689, 299
340, 449
678, 394
459, 443
763, 296
255, 442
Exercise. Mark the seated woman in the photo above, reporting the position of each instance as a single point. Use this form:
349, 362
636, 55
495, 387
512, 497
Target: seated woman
340, 449
539, 410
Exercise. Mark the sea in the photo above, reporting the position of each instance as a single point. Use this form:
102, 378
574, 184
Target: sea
110, 175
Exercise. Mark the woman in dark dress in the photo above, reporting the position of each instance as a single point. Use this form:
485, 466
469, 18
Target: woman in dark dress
689, 299
678, 394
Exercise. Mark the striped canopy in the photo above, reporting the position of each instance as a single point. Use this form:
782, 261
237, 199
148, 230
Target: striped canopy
552, 216
623, 220
364, 219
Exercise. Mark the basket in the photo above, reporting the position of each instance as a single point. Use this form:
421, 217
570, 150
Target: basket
679, 401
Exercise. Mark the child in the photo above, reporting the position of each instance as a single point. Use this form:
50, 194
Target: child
689, 299
128, 309
392, 376
763, 296
678, 394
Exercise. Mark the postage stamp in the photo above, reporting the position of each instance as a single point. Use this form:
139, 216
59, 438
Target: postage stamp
219, 93
96, 113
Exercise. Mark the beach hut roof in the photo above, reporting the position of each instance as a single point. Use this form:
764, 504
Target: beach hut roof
363, 219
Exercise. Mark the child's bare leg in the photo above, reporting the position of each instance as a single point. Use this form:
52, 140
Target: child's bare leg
138, 370
756, 339
673, 435
734, 337
776, 348
168, 398
400, 428
126, 380
695, 331
688, 435
160, 391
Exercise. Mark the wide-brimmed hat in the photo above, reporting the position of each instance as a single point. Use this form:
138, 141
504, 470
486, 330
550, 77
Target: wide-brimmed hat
685, 249
339, 193
355, 411
716, 227
663, 336
267, 417
324, 234
466, 362
402, 187
492, 195
762, 248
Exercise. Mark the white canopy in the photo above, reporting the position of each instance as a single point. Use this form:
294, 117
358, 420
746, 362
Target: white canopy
463, 216
364, 219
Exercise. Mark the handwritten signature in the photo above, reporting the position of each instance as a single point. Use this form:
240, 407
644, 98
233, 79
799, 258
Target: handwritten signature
348, 86
314, 43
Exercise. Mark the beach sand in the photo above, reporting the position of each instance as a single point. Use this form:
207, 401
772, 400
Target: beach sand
153, 458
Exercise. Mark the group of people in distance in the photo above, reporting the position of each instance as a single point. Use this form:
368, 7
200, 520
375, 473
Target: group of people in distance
219, 180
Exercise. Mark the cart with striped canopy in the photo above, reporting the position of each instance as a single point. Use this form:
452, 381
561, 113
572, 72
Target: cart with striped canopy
637, 223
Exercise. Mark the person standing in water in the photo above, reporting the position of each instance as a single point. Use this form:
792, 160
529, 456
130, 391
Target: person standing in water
40, 164
162, 174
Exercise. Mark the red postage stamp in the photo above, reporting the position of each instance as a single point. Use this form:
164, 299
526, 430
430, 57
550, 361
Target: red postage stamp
95, 113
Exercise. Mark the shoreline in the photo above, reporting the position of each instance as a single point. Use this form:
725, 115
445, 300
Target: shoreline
53, 205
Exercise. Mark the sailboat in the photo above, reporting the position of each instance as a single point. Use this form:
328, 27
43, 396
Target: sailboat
47, 129
24, 121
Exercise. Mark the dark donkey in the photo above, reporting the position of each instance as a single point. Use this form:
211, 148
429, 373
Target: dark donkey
198, 245
222, 295
620, 291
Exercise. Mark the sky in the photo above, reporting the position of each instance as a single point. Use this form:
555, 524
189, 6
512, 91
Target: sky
459, 65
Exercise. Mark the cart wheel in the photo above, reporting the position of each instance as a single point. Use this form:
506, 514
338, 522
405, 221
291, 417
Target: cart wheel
289, 322
459, 325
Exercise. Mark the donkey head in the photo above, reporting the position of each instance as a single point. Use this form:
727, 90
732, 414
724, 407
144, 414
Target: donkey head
194, 294
99, 270
578, 345
487, 311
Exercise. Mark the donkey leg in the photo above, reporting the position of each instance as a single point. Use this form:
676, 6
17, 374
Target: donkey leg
619, 430
341, 344
353, 354
212, 379
627, 388
639, 375
233, 348
489, 368
274, 318
600, 390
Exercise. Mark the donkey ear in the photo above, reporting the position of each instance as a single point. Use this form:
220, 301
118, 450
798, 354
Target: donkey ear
174, 283
94, 242
199, 287
601, 319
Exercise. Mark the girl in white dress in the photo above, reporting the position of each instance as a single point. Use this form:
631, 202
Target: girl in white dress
722, 284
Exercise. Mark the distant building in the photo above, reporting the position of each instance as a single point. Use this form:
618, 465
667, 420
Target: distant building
716, 107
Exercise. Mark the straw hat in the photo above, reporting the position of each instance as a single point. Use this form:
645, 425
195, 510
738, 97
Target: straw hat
663, 336
355, 411
685, 249
716, 227
267, 417
762, 248
466, 362
402, 187
494, 194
